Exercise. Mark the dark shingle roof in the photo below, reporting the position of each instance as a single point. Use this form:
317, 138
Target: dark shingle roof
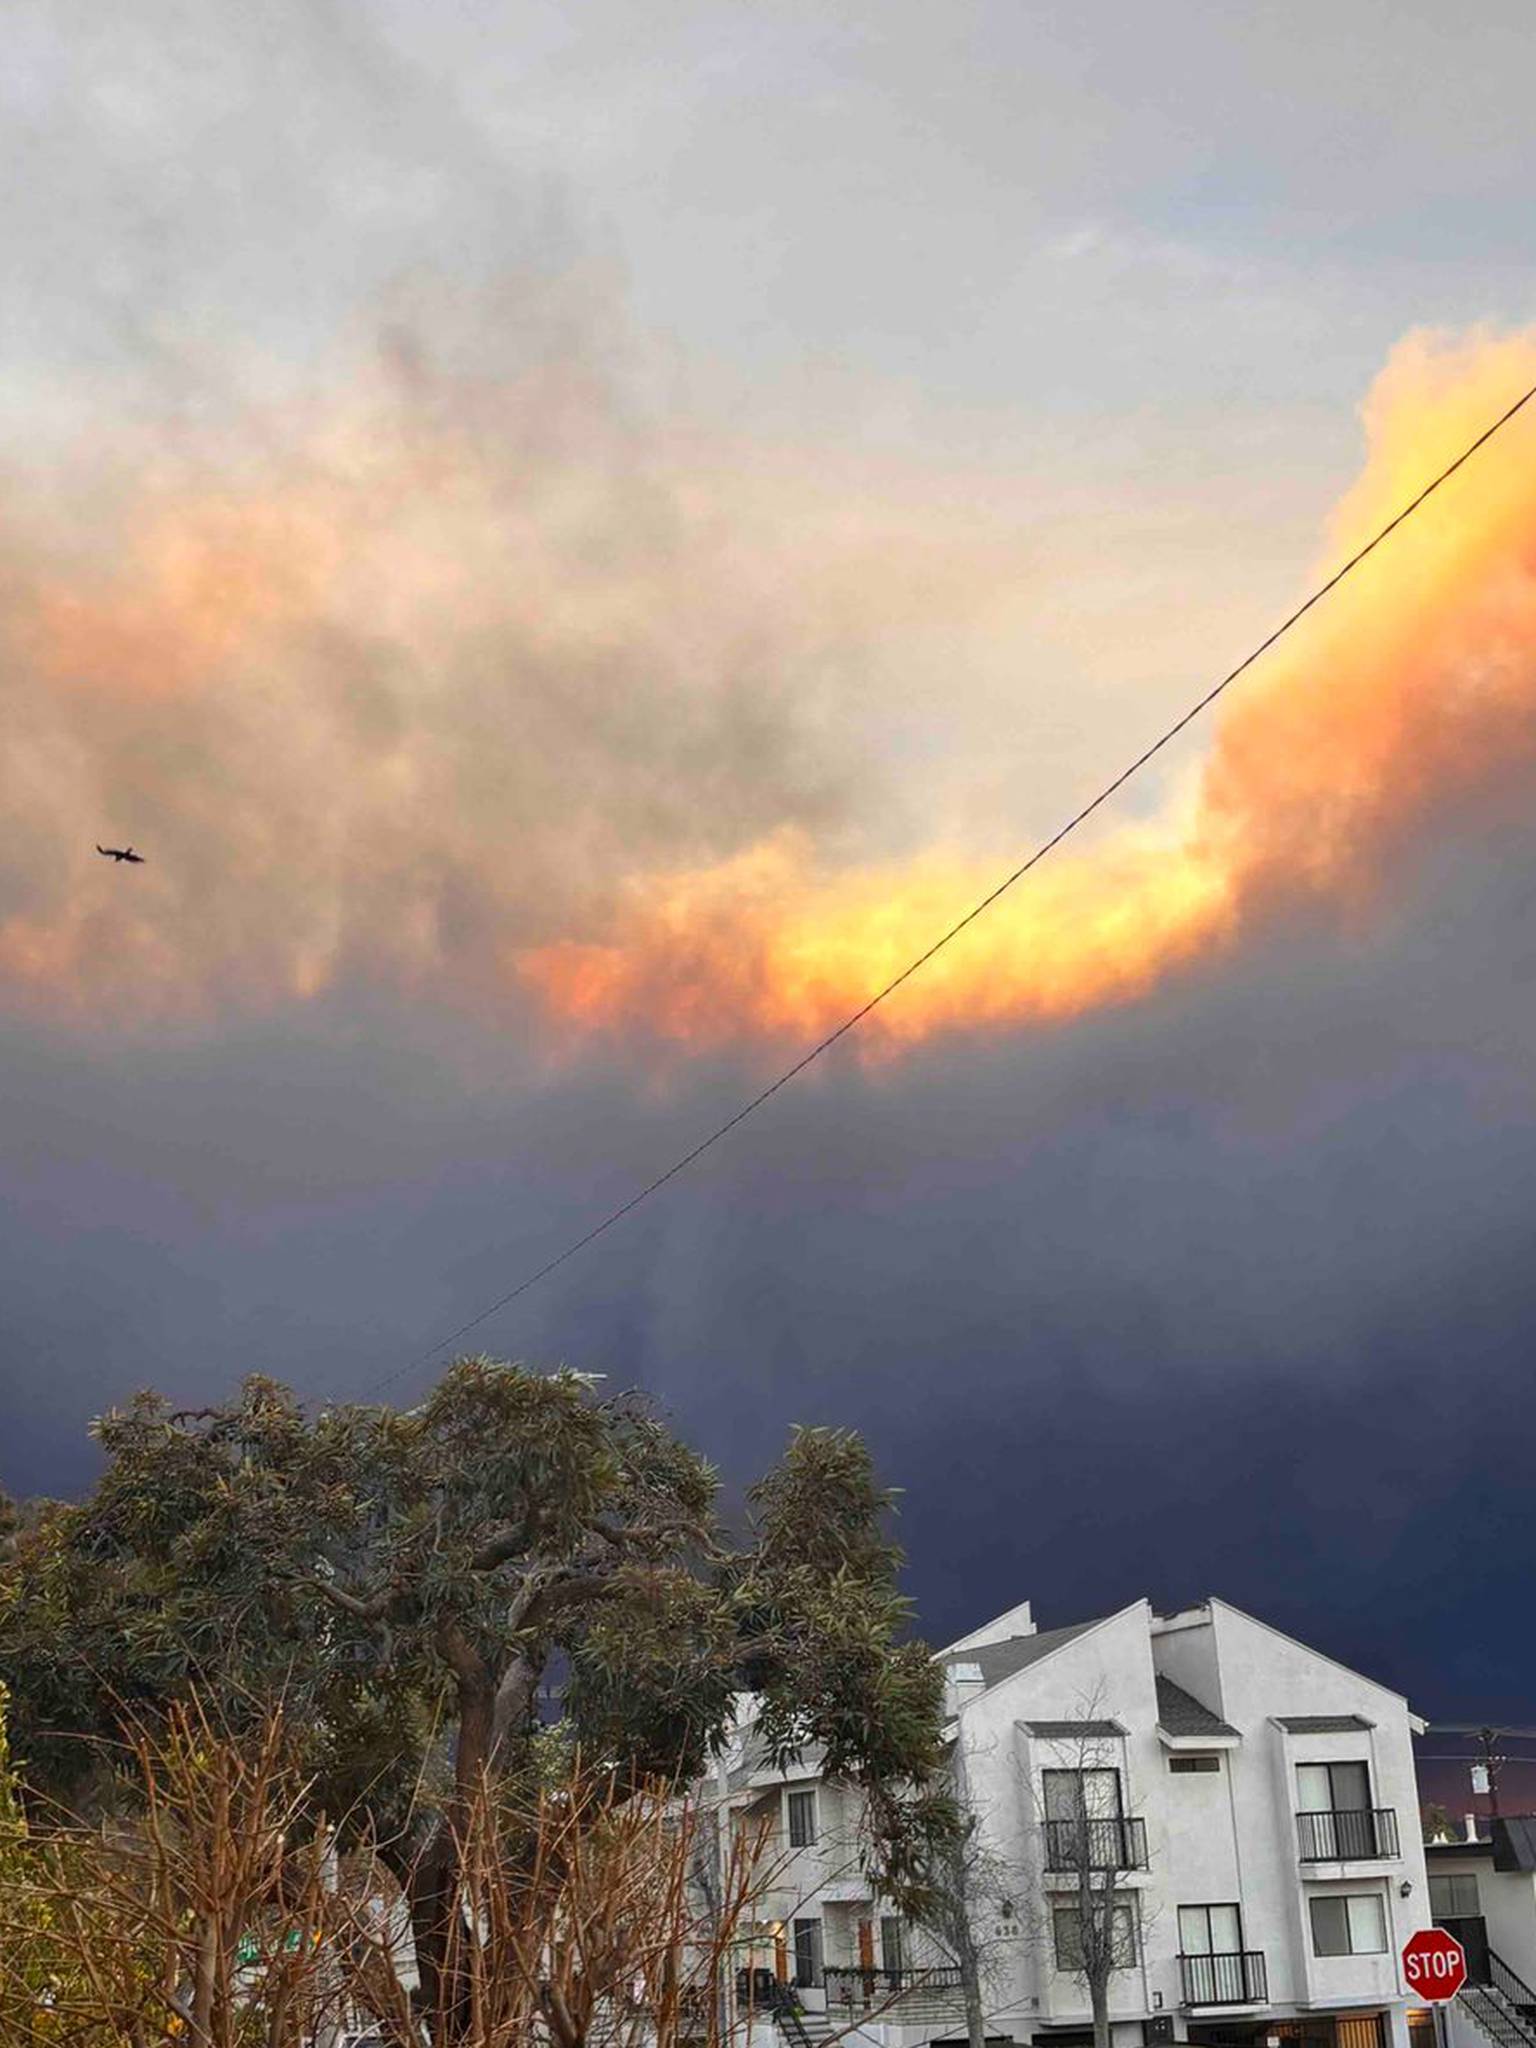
1321, 1724
755, 1759
1001, 1660
1180, 1713
1514, 1842
1067, 1731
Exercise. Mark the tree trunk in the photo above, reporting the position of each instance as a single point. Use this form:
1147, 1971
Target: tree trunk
513, 1710
492, 1717
1098, 1998
472, 1755
434, 1887
431, 1884
970, 1985
205, 1982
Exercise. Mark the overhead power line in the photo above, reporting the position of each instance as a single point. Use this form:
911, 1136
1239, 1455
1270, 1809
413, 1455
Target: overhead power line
977, 910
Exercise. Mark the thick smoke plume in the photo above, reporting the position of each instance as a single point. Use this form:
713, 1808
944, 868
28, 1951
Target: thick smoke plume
471, 689
1412, 693
391, 688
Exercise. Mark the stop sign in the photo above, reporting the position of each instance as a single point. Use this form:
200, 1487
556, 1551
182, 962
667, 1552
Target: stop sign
1434, 1964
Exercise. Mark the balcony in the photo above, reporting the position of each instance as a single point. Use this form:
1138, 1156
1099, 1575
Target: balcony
1237, 1977
1113, 1843
863, 1988
1350, 1835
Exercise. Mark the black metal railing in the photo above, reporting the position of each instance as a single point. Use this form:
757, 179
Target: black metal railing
788, 2012
1109, 1844
761, 1991
1230, 1977
1348, 1833
860, 1986
1510, 1986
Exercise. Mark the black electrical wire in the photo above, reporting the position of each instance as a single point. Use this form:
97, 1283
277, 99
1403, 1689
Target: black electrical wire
977, 910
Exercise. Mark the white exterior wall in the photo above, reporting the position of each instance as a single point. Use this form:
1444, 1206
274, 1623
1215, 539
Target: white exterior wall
1506, 1900
1266, 1677
1227, 1837
1105, 1674
1509, 1906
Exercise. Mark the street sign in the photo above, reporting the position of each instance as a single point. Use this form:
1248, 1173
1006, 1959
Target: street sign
1434, 1964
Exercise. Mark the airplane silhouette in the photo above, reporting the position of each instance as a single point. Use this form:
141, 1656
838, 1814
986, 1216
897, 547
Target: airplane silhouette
121, 853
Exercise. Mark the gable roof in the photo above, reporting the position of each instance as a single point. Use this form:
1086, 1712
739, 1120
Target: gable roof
1068, 1731
1212, 1601
1514, 1842
1322, 1724
998, 1661
755, 1762
1180, 1713
1018, 1621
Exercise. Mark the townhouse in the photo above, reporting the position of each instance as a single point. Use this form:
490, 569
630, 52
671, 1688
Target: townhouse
1249, 1802
1482, 1889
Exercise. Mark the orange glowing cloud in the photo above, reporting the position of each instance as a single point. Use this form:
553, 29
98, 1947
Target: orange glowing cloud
388, 689
470, 693
1412, 690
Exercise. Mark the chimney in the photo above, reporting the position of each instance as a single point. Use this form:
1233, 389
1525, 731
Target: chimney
962, 1683
1471, 1827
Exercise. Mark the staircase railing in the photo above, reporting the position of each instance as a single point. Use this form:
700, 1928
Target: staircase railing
785, 2007
1498, 2021
1511, 1986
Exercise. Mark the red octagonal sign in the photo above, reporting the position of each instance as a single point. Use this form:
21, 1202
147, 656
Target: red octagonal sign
1435, 1964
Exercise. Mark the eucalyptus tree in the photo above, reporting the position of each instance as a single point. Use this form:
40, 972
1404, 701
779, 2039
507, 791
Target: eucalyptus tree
419, 1585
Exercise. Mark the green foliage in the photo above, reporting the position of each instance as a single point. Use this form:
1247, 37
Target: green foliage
821, 1620
653, 1675
39, 1968
1436, 1823
822, 1626
406, 1583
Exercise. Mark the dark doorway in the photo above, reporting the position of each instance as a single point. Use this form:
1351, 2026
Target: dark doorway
1471, 1930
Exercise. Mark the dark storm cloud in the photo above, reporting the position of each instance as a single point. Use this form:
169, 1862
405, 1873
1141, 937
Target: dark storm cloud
1233, 1293
1230, 1291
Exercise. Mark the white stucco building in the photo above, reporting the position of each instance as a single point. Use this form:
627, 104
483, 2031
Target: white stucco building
1256, 1799
1482, 1889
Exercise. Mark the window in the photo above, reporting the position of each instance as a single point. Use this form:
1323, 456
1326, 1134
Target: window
1067, 1929
1071, 1795
891, 1947
1085, 1824
802, 1819
1333, 1788
807, 1954
1335, 1819
1353, 1925
1454, 1898
1212, 1962
1187, 1766
1210, 1930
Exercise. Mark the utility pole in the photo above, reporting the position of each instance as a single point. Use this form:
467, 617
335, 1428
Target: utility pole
1486, 1767
1487, 1737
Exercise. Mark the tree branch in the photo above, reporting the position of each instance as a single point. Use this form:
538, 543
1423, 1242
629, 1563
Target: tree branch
463, 1659
498, 1549
374, 1608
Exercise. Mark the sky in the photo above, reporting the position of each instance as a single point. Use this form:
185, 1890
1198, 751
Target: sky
577, 541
